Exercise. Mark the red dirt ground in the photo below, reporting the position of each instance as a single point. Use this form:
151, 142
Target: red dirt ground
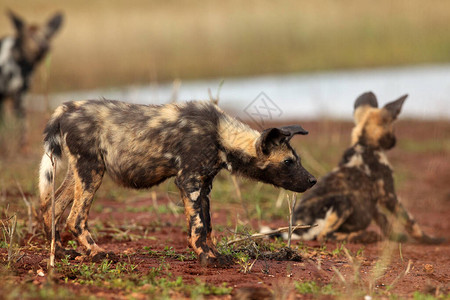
425, 193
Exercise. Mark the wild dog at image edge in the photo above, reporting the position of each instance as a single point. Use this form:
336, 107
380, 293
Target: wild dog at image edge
19, 56
361, 189
140, 146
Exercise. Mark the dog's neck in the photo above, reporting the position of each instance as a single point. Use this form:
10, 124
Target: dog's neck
237, 137
372, 161
238, 142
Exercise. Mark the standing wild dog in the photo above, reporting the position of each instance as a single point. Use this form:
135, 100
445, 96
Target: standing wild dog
142, 145
361, 188
19, 55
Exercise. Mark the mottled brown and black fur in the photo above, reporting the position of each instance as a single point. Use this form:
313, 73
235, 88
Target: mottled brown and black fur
140, 146
361, 189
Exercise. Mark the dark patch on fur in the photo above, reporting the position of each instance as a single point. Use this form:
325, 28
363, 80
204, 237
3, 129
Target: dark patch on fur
49, 176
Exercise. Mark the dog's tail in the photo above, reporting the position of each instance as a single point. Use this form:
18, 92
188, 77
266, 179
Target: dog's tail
52, 152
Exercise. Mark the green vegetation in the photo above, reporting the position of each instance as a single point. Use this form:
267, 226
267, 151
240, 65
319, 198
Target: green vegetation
163, 40
157, 283
311, 287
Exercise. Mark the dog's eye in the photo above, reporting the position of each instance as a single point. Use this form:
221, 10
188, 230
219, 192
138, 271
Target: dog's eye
288, 162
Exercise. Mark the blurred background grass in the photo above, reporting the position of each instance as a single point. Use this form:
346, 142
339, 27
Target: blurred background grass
108, 43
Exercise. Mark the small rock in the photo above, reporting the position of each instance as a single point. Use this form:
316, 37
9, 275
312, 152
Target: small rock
428, 268
40, 273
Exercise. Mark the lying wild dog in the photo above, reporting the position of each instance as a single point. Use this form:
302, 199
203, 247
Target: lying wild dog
361, 188
142, 145
19, 55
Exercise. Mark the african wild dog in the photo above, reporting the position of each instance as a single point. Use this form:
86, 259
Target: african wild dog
361, 188
20, 54
141, 146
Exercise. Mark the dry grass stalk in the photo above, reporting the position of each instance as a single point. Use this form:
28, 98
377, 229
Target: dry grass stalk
355, 264
339, 274
257, 236
381, 265
280, 198
401, 275
10, 230
237, 188
52, 245
291, 215
29, 208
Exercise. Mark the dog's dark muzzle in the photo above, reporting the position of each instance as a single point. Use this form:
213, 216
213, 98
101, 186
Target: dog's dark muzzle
388, 141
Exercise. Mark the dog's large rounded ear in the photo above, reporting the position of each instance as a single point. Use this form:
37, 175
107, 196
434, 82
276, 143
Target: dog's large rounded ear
17, 21
367, 98
271, 138
394, 107
54, 24
293, 130
362, 104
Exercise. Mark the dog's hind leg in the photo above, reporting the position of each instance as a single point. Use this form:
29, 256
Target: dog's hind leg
63, 197
334, 218
88, 176
361, 236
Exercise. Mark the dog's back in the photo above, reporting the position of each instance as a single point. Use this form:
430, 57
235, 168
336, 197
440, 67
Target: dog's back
139, 145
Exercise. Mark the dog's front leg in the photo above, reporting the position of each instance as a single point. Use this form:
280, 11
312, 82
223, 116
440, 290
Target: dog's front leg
195, 195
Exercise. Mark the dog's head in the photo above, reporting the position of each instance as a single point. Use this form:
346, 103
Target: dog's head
278, 161
374, 126
33, 40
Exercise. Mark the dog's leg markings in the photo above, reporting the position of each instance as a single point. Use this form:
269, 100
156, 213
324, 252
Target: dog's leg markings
332, 222
361, 236
195, 196
88, 178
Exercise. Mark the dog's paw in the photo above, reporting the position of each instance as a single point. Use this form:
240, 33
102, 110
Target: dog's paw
100, 256
221, 261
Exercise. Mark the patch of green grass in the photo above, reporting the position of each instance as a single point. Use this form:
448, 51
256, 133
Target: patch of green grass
168, 251
311, 287
420, 296
202, 288
158, 281
47, 291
